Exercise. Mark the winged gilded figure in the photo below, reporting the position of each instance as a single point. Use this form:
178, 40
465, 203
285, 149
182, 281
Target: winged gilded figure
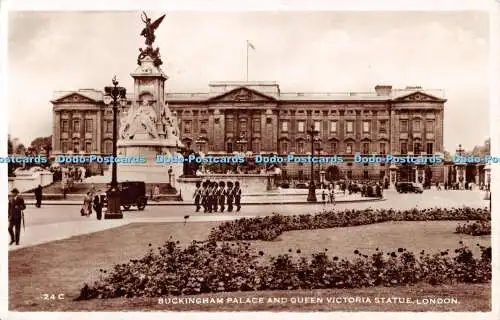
149, 30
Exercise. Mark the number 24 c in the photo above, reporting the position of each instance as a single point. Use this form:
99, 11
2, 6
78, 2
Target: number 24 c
46, 296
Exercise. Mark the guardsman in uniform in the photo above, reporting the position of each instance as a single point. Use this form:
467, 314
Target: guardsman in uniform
204, 195
213, 199
222, 195
197, 196
16, 207
230, 196
210, 196
237, 196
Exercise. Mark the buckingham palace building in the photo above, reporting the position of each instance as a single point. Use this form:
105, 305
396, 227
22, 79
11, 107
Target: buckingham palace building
257, 118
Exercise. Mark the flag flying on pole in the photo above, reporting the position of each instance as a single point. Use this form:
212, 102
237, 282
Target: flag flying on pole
250, 45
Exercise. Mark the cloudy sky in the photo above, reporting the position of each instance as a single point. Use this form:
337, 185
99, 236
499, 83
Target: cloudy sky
303, 51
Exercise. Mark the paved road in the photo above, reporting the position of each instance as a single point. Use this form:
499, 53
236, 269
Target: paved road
59, 213
57, 222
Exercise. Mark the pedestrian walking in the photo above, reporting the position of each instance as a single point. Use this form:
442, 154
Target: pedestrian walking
237, 196
197, 196
38, 196
230, 196
16, 216
98, 206
86, 209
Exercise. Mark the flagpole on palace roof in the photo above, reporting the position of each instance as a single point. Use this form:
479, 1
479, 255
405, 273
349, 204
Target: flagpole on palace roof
249, 45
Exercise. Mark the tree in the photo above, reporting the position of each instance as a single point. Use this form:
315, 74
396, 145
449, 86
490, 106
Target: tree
42, 143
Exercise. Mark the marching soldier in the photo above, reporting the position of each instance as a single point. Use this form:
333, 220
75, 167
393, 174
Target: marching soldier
204, 194
16, 216
197, 196
213, 197
237, 196
222, 195
230, 196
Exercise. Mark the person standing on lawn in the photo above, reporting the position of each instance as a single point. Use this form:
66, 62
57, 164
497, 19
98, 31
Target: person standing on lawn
16, 216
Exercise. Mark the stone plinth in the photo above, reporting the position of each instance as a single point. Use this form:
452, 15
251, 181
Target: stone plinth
249, 183
150, 171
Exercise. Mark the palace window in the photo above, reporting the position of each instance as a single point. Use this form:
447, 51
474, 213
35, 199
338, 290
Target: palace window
256, 125
333, 126
76, 125
256, 146
187, 126
284, 147
108, 147
349, 126
109, 126
348, 148
382, 148
382, 126
88, 147
301, 126
366, 126
76, 146
269, 121
317, 126
366, 148
404, 148
430, 148
65, 125
203, 126
403, 125
301, 174
334, 147
229, 125
317, 147
365, 174
417, 148
300, 147
284, 126
349, 174
416, 125
229, 147
64, 146
243, 125
88, 125
429, 127
216, 121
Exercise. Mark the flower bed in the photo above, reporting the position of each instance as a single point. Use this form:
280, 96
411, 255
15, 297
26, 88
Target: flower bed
475, 228
270, 227
206, 267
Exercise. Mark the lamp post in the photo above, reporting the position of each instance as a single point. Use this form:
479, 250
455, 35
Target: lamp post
311, 197
115, 96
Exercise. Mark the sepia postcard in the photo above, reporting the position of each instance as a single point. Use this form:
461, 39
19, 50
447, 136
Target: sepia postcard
238, 161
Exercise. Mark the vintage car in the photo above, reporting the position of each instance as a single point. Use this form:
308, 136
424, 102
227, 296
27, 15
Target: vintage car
408, 187
132, 193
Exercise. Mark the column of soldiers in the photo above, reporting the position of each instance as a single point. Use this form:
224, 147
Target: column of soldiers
214, 197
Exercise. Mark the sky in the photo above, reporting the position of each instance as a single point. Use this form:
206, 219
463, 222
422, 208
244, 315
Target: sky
303, 51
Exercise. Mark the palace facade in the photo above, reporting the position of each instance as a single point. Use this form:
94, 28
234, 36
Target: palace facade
256, 117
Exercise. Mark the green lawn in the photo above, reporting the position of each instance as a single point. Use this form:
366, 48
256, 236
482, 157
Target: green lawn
63, 266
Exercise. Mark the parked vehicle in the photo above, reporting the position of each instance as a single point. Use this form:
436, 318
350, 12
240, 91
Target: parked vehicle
408, 187
132, 193
302, 185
